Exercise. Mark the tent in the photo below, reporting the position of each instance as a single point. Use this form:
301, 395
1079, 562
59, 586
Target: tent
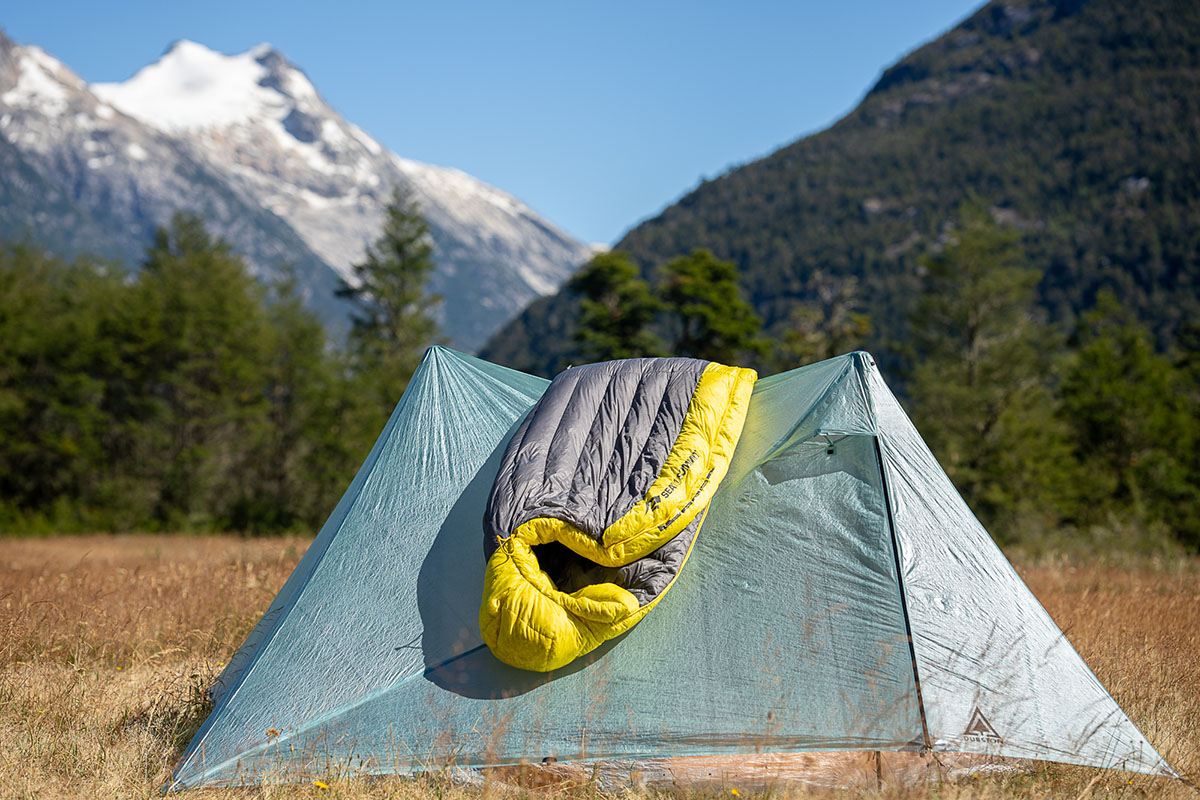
841, 597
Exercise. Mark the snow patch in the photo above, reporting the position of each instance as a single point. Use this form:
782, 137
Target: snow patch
454, 183
332, 133
373, 147
539, 283
311, 155
40, 85
194, 87
50, 64
300, 87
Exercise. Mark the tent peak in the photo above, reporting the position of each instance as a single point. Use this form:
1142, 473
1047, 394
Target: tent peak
862, 358
440, 351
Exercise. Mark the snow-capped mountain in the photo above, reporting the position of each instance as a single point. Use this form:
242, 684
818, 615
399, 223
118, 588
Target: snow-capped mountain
251, 130
77, 174
257, 119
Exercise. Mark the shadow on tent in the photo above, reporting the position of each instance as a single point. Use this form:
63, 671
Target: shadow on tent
448, 598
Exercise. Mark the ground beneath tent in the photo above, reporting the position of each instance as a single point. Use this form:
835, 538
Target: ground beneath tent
758, 772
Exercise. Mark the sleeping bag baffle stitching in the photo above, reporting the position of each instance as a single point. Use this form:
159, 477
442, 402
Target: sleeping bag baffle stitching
598, 501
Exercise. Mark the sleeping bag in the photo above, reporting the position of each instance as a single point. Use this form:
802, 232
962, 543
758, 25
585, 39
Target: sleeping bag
598, 500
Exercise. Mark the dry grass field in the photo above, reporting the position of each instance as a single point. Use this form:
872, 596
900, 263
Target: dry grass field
107, 643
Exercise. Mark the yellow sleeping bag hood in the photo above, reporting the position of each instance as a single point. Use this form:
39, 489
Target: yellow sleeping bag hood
598, 501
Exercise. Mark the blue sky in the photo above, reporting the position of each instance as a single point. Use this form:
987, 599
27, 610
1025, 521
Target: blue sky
596, 115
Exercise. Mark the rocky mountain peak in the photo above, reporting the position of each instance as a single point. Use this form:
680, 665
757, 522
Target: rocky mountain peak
192, 87
273, 61
8, 60
30, 78
247, 141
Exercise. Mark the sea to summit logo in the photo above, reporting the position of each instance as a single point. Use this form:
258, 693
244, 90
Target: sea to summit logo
655, 501
980, 730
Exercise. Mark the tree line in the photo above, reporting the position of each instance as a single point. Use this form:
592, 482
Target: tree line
1089, 438
188, 396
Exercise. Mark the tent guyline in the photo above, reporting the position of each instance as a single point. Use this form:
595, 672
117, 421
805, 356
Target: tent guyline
841, 596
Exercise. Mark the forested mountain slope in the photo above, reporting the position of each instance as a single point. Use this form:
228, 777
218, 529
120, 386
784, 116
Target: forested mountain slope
1075, 122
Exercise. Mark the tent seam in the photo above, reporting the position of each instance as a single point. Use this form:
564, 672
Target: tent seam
912, 649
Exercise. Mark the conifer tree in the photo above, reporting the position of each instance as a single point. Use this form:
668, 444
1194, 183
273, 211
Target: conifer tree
706, 314
617, 309
197, 341
393, 321
56, 364
318, 428
980, 391
829, 324
1133, 415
